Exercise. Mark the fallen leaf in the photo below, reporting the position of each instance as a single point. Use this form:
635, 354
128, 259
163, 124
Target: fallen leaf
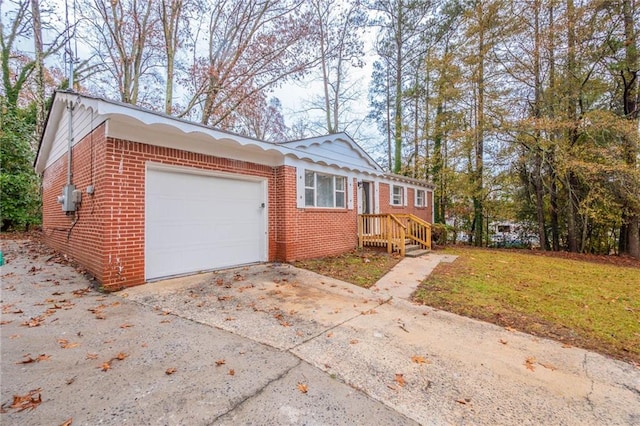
511, 329
330, 334
220, 362
400, 379
91, 356
105, 366
504, 342
302, 387
29, 360
29, 401
165, 321
121, 356
14, 336
566, 345
65, 344
353, 341
420, 360
125, 325
232, 372
6, 322
464, 401
529, 363
369, 312
81, 292
68, 422
33, 322
71, 380
170, 371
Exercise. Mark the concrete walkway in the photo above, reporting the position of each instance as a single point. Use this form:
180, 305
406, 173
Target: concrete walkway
404, 278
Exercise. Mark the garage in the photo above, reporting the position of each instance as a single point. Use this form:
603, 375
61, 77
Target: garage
198, 221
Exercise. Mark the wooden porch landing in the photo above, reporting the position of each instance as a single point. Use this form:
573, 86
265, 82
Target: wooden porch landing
405, 234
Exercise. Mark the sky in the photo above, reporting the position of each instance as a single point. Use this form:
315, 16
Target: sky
294, 96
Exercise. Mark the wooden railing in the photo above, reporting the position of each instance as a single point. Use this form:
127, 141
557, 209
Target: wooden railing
392, 231
418, 230
382, 230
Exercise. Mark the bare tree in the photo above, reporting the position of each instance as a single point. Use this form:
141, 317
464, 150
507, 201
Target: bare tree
19, 67
124, 36
338, 26
252, 46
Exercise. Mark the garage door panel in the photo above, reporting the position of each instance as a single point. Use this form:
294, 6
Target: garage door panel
200, 222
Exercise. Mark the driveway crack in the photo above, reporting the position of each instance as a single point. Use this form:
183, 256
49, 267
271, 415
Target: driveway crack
259, 391
586, 373
333, 327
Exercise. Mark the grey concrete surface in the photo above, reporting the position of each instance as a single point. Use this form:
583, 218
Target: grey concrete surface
367, 356
473, 372
263, 388
401, 281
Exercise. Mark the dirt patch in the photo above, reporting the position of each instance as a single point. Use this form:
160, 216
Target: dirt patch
362, 267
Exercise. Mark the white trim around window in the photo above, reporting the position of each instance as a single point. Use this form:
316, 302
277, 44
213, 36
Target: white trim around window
420, 198
397, 195
324, 190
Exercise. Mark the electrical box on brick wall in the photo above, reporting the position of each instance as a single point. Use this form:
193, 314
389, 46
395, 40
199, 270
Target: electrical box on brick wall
69, 198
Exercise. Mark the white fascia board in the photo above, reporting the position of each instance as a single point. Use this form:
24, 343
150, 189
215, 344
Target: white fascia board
50, 130
129, 122
316, 149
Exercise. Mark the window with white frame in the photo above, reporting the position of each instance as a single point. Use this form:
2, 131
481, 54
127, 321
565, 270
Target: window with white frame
323, 190
397, 195
421, 200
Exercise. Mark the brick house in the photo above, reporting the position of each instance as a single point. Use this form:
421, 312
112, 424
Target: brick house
135, 195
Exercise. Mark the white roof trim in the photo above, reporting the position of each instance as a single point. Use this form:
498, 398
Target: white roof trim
120, 115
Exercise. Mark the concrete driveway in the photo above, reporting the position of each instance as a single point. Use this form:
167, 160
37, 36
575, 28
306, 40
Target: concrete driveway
362, 356
57, 334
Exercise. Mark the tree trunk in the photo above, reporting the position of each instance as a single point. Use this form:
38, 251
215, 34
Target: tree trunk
553, 178
39, 68
478, 196
572, 132
630, 229
537, 172
397, 160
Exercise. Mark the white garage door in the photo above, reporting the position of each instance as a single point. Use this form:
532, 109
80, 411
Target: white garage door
196, 222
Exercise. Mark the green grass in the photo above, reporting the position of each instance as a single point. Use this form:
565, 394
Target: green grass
362, 267
593, 305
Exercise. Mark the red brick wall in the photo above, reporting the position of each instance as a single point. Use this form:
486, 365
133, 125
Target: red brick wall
310, 232
108, 238
423, 213
106, 234
79, 235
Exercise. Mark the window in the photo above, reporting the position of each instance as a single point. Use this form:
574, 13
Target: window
321, 190
420, 198
397, 196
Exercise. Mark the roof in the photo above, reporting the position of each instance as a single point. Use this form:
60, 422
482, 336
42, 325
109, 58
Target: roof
131, 122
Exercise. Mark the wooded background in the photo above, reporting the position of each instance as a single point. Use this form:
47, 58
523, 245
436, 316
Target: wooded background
519, 110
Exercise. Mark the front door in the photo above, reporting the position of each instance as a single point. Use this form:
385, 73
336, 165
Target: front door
367, 198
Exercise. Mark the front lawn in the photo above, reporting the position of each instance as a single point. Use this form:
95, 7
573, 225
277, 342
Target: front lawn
582, 303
